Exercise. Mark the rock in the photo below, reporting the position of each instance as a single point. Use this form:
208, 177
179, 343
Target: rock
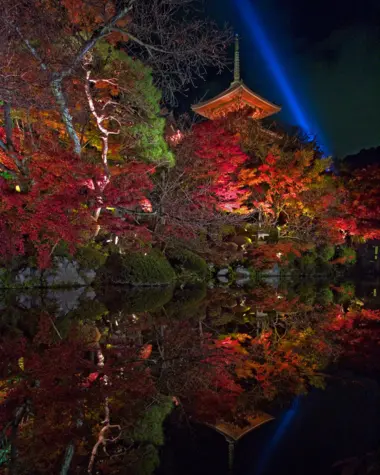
65, 299
275, 271
242, 271
273, 281
88, 275
28, 301
242, 282
223, 272
223, 280
64, 273
28, 277
90, 294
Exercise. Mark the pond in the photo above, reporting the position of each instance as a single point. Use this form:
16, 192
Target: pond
273, 377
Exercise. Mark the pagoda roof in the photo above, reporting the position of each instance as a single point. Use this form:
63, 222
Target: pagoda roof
236, 432
238, 96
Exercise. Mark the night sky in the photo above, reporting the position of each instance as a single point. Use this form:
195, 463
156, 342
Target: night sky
328, 52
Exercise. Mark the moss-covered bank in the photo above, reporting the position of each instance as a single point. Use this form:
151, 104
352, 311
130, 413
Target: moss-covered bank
137, 269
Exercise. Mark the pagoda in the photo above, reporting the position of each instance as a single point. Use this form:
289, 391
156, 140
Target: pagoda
237, 97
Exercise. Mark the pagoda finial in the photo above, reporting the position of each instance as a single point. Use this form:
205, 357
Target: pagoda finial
237, 61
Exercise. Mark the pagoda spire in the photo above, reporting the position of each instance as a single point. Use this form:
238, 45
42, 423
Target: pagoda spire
237, 61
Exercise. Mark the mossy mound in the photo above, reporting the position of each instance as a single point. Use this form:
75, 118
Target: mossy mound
186, 301
91, 257
185, 261
137, 269
127, 301
326, 252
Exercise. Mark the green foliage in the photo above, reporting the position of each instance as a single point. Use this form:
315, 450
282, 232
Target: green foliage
91, 256
150, 428
326, 252
137, 268
227, 230
325, 296
6, 175
253, 273
273, 235
5, 277
89, 310
348, 254
345, 293
307, 293
147, 460
5, 452
185, 260
150, 142
62, 250
147, 134
308, 262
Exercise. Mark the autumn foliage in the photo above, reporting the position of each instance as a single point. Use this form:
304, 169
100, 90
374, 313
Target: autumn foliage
218, 159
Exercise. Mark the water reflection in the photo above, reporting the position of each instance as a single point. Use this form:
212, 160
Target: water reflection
112, 381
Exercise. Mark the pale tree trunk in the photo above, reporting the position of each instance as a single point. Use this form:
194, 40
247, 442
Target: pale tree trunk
67, 118
105, 133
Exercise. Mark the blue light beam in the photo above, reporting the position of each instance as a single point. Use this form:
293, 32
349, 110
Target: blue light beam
278, 435
250, 17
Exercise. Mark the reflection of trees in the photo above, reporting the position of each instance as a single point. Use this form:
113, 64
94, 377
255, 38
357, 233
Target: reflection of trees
78, 382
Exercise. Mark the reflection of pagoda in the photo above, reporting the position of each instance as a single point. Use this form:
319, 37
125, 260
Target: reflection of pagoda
237, 97
234, 432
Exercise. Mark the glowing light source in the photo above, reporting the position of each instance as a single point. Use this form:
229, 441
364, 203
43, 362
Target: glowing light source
176, 137
146, 205
259, 36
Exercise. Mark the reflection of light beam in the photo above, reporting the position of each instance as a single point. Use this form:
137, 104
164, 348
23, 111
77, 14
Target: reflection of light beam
283, 425
259, 36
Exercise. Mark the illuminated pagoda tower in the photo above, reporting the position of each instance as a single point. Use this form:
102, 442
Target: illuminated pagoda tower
237, 97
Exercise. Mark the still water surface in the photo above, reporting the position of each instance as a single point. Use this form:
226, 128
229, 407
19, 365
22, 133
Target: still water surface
277, 377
